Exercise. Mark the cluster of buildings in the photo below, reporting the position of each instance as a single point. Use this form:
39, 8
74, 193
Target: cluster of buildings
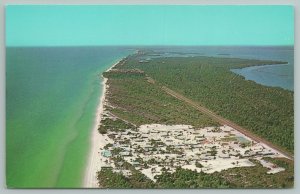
155, 148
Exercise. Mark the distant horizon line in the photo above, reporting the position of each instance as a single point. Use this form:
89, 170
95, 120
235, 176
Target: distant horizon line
287, 45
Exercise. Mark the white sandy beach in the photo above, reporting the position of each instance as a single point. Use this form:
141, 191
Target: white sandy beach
97, 141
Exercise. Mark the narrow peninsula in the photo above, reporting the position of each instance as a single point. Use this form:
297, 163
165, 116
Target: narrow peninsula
190, 122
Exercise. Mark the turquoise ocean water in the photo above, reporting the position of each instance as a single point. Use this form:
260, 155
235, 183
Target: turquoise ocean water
51, 99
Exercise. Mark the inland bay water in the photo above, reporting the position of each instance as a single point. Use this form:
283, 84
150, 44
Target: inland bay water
52, 94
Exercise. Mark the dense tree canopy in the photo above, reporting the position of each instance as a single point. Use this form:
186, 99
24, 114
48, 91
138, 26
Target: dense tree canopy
138, 99
266, 111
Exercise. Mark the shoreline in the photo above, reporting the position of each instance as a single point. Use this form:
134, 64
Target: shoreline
247, 73
97, 140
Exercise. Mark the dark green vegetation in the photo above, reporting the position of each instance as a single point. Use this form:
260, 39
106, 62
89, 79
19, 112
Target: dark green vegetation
109, 179
257, 177
266, 111
113, 125
138, 99
240, 177
140, 102
183, 178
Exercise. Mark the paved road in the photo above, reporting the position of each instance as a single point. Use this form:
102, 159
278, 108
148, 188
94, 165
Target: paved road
224, 121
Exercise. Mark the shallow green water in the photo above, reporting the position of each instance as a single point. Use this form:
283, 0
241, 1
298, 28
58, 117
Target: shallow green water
51, 99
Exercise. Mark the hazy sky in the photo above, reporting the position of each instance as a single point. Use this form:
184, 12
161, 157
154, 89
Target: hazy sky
149, 25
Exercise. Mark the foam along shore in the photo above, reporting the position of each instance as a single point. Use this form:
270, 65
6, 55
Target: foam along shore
98, 141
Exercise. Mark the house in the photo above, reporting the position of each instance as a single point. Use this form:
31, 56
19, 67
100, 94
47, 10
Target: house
135, 163
106, 153
125, 153
106, 167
